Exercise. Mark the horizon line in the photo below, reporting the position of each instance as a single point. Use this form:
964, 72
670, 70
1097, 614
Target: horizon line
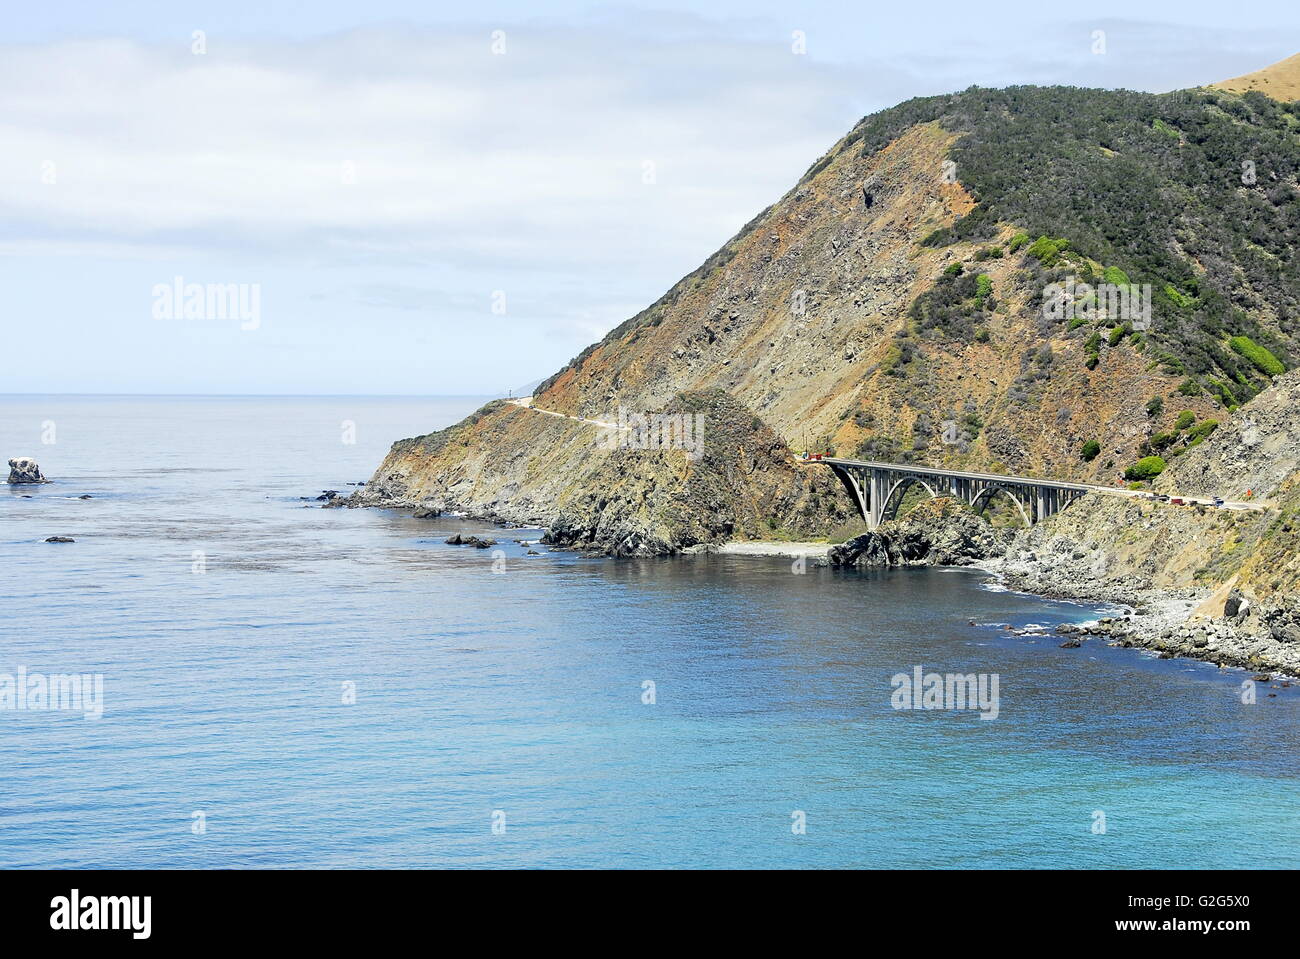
470, 396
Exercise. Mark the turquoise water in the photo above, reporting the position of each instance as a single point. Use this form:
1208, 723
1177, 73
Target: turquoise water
519, 693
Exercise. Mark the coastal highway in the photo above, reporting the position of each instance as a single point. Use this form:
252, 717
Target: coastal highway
526, 402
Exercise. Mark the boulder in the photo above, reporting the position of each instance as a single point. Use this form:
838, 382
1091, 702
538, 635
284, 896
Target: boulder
869, 549
23, 470
941, 532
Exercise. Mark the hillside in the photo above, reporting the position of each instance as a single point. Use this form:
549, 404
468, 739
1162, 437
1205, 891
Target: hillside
1281, 81
1238, 571
898, 289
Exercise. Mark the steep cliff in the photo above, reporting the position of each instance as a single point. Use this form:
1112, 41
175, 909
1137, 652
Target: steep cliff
1236, 571
892, 305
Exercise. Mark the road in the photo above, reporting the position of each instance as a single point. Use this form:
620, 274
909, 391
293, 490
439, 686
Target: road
526, 402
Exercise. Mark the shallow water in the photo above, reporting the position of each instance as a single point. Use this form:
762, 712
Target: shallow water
226, 616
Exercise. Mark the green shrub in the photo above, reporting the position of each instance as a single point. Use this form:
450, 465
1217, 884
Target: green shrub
1145, 468
1017, 241
1047, 250
983, 289
1264, 361
1118, 209
1092, 348
1189, 387
1155, 406
1185, 419
1224, 393
892, 359
1118, 334
953, 269
1115, 276
1090, 451
1202, 429
1165, 128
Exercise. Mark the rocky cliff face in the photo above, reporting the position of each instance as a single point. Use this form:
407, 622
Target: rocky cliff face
1220, 584
715, 472
1254, 451
941, 532
889, 307
740, 484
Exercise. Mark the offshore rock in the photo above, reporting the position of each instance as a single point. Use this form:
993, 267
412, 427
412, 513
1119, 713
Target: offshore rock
23, 470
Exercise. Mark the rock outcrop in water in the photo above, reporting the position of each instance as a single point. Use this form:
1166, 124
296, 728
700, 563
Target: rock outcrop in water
456, 539
941, 532
23, 470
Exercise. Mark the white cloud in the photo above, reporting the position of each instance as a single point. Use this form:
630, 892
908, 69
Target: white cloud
416, 141
470, 173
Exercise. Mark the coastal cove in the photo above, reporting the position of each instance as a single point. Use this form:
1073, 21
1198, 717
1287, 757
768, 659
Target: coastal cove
229, 615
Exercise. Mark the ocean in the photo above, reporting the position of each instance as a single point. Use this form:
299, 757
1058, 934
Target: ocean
290, 686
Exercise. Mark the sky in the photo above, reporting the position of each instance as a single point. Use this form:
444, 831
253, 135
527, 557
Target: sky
428, 198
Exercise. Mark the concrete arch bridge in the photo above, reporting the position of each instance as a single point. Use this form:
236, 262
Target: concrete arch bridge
877, 488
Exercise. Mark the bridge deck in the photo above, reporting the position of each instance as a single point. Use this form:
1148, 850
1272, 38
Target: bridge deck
958, 474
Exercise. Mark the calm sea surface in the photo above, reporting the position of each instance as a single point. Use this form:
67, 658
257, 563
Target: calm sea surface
229, 618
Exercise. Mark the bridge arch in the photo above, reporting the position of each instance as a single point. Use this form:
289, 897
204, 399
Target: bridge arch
982, 498
854, 489
894, 498
876, 488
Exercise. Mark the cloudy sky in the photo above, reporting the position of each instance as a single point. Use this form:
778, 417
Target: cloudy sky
437, 198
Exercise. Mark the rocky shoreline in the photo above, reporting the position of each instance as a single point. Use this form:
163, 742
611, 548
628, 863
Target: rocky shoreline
1255, 639
1224, 628
1218, 626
